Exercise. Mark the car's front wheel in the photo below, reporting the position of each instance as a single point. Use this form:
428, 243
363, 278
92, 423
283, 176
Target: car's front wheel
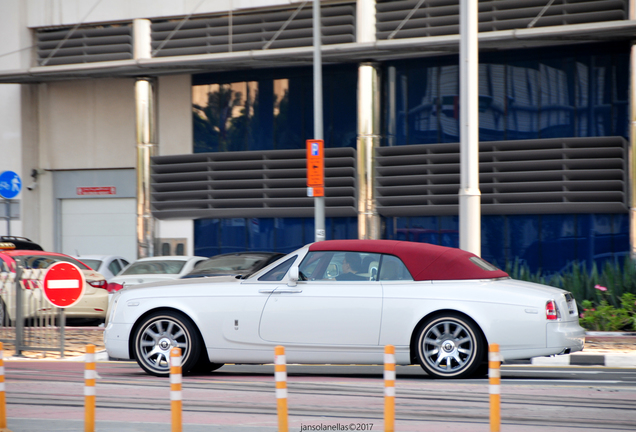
4, 315
157, 334
449, 346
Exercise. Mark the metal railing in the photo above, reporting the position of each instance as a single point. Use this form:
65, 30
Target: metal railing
28, 321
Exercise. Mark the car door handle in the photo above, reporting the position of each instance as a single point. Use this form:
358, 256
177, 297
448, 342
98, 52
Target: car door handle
266, 291
274, 291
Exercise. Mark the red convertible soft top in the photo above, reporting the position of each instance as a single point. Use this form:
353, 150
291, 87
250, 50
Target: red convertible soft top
424, 261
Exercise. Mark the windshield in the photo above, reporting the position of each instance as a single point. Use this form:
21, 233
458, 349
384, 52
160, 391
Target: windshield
229, 263
92, 263
154, 267
45, 261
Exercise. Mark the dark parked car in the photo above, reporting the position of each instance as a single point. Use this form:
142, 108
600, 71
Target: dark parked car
21, 243
233, 264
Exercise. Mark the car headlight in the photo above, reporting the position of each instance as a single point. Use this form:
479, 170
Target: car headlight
112, 307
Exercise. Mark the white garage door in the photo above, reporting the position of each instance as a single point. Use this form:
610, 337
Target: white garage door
104, 226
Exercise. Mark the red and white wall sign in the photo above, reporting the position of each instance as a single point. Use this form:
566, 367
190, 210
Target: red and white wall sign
97, 190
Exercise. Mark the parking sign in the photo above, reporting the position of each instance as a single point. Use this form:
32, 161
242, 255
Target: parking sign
315, 168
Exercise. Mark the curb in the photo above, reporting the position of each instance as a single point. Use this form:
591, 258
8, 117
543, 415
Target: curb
618, 360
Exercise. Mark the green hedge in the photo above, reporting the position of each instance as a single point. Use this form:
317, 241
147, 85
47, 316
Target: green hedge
606, 298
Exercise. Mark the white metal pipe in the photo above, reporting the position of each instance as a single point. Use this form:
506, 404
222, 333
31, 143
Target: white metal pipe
632, 152
146, 141
632, 140
469, 194
319, 202
368, 125
368, 140
142, 39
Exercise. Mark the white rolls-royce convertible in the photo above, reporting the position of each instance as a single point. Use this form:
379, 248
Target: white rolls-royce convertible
341, 302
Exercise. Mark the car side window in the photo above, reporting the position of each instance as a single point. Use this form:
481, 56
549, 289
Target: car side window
114, 267
278, 273
340, 266
392, 268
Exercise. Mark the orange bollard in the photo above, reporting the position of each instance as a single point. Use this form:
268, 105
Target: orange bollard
280, 373
175, 389
90, 375
389, 388
494, 379
3, 399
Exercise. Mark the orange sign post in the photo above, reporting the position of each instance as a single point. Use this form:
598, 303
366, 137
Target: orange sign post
315, 168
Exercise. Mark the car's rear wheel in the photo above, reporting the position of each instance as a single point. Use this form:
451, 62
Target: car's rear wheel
204, 365
157, 334
449, 346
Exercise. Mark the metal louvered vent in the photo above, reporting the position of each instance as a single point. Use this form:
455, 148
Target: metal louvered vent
249, 184
84, 45
570, 175
253, 31
441, 17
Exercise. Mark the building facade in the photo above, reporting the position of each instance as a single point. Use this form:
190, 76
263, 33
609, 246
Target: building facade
229, 102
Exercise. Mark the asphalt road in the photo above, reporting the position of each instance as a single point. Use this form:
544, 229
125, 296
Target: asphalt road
48, 396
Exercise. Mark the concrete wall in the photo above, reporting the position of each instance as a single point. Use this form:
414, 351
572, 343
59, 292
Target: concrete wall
14, 36
43, 13
174, 118
85, 124
90, 124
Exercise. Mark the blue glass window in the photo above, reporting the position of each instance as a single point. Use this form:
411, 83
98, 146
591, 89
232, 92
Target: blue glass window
216, 236
549, 243
523, 94
272, 109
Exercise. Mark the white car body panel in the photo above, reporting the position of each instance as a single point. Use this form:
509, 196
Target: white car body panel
296, 315
143, 278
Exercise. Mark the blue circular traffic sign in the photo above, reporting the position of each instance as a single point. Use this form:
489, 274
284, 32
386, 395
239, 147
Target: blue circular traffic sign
10, 184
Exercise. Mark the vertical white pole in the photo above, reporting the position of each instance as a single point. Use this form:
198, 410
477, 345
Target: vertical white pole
369, 223
469, 194
632, 139
319, 202
146, 140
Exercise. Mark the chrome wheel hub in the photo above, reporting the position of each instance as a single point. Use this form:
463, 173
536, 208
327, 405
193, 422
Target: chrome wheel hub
156, 340
447, 346
165, 344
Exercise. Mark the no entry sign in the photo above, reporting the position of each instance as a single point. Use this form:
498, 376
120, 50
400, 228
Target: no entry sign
63, 284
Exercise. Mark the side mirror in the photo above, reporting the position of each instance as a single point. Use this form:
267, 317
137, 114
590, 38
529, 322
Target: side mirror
293, 276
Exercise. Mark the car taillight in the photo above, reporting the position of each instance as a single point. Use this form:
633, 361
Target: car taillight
99, 284
551, 311
114, 287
